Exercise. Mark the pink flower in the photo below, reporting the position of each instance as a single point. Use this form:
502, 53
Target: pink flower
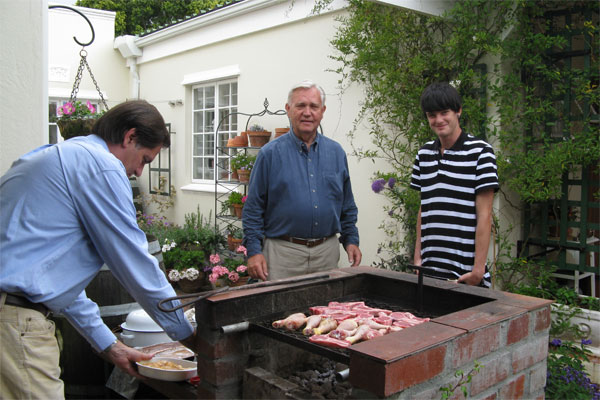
213, 277
91, 107
233, 276
241, 269
67, 109
215, 259
242, 249
244, 199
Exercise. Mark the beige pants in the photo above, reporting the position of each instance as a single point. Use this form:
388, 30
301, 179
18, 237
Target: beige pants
29, 356
286, 259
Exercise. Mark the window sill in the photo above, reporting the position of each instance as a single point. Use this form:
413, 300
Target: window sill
208, 187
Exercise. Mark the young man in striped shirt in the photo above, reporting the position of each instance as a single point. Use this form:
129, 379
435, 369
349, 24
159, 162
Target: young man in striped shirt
456, 175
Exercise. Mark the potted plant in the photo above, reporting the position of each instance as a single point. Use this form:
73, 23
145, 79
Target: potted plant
76, 119
229, 269
258, 136
234, 238
235, 200
243, 163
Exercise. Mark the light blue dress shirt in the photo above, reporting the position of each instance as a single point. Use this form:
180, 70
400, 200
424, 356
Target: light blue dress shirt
65, 210
299, 192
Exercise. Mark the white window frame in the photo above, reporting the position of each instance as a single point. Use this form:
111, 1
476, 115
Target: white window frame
214, 78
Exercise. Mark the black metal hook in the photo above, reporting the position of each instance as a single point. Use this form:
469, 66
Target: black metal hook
86, 18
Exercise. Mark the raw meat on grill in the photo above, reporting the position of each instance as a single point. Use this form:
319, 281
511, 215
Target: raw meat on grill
345, 328
325, 326
312, 322
327, 340
291, 323
341, 324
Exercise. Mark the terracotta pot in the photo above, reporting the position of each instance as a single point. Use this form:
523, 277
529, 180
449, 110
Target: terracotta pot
243, 175
281, 131
239, 141
238, 210
233, 243
259, 139
242, 281
234, 175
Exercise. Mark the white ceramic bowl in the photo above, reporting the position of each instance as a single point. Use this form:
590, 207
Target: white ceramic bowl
191, 370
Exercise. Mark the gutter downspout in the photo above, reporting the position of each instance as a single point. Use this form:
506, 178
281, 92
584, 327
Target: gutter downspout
130, 51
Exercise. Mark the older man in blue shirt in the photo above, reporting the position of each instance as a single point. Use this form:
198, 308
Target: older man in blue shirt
67, 209
300, 197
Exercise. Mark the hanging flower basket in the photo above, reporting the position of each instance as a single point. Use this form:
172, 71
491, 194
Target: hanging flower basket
75, 127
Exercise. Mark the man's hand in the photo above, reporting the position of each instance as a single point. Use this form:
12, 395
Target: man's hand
354, 255
124, 357
257, 267
471, 278
190, 341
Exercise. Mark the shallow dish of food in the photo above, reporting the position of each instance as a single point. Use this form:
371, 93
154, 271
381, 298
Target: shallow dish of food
168, 369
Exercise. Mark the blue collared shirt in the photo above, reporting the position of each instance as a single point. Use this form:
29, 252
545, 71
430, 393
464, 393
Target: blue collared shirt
67, 209
299, 192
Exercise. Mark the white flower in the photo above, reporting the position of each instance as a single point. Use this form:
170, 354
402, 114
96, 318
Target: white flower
174, 275
168, 246
191, 274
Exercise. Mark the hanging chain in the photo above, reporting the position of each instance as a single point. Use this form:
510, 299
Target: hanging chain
82, 63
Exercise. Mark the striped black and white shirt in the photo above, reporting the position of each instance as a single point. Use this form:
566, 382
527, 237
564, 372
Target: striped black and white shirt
448, 184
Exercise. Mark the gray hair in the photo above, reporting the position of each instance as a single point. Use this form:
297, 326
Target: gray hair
306, 84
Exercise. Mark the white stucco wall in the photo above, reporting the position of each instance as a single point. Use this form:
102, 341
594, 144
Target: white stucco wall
23, 104
270, 61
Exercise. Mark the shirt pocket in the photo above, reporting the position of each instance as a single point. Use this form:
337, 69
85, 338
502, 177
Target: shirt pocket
333, 185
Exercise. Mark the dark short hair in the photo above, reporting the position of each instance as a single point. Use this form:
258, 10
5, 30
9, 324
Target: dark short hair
149, 125
440, 96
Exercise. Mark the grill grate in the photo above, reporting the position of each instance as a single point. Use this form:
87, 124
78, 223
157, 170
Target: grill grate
296, 338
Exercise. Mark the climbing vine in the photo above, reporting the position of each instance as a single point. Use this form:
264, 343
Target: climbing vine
497, 55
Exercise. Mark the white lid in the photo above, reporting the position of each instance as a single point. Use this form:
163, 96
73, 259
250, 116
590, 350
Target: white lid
140, 321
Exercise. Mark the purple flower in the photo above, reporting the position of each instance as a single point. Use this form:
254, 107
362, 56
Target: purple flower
586, 341
556, 342
391, 182
378, 185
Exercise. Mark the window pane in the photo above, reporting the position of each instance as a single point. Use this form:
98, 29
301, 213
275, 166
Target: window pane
197, 168
224, 116
224, 95
198, 145
209, 141
234, 94
198, 98
198, 122
209, 172
234, 119
210, 97
209, 121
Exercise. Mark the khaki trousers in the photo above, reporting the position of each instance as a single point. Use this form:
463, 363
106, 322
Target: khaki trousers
286, 259
29, 356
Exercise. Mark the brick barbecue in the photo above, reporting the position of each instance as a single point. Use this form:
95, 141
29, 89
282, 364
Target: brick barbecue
506, 333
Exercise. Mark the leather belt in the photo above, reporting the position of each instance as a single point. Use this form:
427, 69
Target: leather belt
19, 301
304, 242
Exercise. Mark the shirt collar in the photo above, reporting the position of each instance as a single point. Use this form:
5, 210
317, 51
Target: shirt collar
299, 143
437, 144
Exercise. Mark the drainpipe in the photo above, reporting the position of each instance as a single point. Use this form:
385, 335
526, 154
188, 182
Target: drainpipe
130, 51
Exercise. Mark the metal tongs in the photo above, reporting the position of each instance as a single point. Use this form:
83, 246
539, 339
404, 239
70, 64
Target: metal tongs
203, 295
